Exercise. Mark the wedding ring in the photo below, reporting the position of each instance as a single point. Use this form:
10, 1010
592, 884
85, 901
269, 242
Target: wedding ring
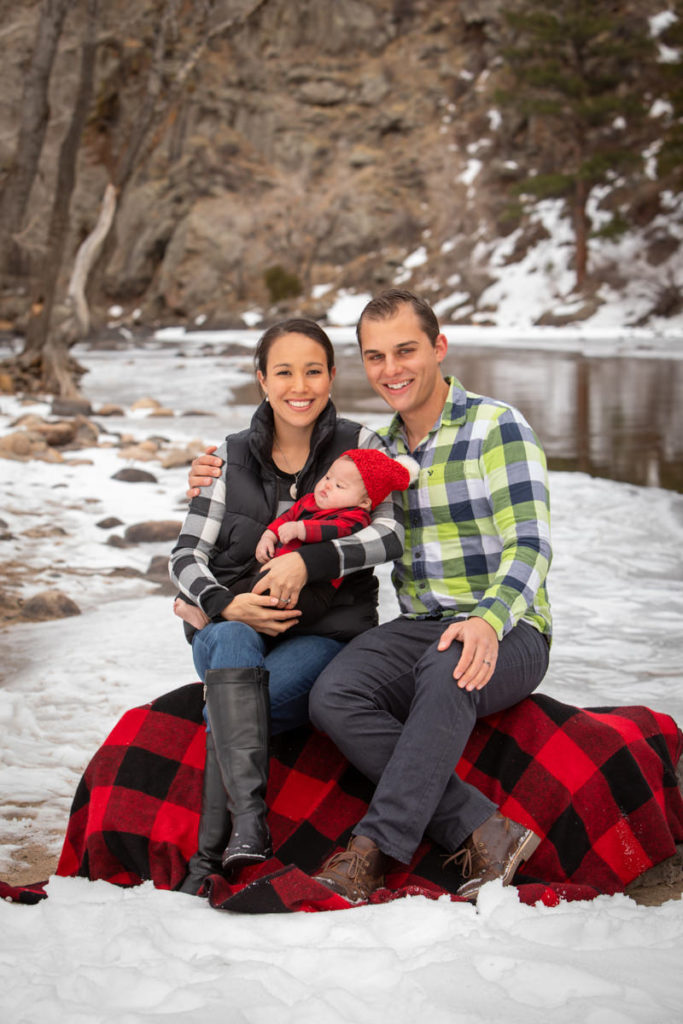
485, 661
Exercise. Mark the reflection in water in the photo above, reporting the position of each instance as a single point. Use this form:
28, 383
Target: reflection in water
618, 418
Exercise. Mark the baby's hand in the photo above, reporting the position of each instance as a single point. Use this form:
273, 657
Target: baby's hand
292, 531
265, 549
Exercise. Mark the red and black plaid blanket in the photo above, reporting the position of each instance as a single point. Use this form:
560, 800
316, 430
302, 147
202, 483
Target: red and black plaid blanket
599, 785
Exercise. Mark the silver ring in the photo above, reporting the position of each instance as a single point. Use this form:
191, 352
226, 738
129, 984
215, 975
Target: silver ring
287, 600
485, 661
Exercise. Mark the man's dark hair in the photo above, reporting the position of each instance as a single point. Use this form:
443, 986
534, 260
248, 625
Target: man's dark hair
387, 304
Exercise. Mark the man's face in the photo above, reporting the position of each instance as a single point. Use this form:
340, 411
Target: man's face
400, 361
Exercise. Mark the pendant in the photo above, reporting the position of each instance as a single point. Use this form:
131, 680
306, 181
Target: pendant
292, 491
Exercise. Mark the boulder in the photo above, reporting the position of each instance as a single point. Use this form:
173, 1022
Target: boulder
58, 434
109, 409
160, 530
145, 403
22, 445
177, 457
117, 542
130, 475
157, 572
49, 604
71, 407
109, 523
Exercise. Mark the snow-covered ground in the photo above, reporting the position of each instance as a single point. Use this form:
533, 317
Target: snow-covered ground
95, 953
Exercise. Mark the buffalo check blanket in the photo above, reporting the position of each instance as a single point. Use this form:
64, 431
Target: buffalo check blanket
599, 786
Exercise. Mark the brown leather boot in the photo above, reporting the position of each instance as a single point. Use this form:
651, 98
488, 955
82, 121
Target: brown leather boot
357, 872
494, 850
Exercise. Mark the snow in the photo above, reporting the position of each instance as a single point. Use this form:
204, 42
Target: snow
347, 308
96, 953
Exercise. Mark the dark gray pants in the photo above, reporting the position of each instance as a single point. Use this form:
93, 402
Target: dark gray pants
391, 705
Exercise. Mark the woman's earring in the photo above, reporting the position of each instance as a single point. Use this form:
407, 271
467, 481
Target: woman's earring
266, 398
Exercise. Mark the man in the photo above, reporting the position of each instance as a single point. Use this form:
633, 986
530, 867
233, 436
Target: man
401, 700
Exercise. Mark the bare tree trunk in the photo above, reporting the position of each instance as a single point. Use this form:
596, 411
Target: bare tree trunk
34, 118
580, 219
85, 258
54, 357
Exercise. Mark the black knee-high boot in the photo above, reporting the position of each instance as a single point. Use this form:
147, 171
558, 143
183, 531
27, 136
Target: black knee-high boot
239, 715
214, 825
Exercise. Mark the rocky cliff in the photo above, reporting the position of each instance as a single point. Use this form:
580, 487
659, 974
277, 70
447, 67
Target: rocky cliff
317, 145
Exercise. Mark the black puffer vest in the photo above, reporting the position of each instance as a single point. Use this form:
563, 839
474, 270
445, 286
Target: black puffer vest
251, 502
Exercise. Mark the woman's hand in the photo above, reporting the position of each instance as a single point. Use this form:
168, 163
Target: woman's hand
479, 651
285, 576
260, 612
203, 470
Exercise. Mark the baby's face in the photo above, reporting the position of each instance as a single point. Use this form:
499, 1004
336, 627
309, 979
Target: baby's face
341, 487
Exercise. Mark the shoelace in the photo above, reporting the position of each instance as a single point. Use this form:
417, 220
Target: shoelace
461, 859
468, 859
357, 860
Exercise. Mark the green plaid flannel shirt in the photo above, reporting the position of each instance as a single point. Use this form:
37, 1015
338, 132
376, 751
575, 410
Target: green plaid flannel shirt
477, 519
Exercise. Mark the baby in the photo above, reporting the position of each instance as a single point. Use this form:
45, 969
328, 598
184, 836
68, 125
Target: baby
339, 504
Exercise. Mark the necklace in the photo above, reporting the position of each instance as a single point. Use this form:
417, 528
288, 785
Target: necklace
293, 489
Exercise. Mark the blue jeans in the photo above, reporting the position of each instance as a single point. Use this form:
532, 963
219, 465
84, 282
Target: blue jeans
293, 664
391, 705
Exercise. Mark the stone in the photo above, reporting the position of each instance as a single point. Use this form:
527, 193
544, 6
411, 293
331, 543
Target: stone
158, 569
87, 432
109, 523
58, 434
49, 604
131, 475
146, 403
160, 530
109, 409
140, 452
71, 407
176, 457
45, 530
23, 445
157, 572
10, 606
323, 93
117, 542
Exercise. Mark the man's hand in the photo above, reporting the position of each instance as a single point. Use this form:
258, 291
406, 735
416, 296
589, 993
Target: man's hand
294, 530
203, 470
259, 612
285, 577
479, 651
265, 549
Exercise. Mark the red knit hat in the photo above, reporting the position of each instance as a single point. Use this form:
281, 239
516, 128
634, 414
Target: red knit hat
381, 474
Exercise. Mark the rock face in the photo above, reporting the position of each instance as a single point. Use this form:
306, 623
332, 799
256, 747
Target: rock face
315, 143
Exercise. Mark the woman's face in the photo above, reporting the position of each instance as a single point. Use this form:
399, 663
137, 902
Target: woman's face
297, 381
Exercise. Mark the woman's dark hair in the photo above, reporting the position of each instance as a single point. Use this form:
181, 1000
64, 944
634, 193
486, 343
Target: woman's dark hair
388, 303
300, 325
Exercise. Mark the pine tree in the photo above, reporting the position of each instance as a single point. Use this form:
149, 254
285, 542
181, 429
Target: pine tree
670, 53
579, 71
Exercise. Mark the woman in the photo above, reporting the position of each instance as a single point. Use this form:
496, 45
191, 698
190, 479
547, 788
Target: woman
257, 677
